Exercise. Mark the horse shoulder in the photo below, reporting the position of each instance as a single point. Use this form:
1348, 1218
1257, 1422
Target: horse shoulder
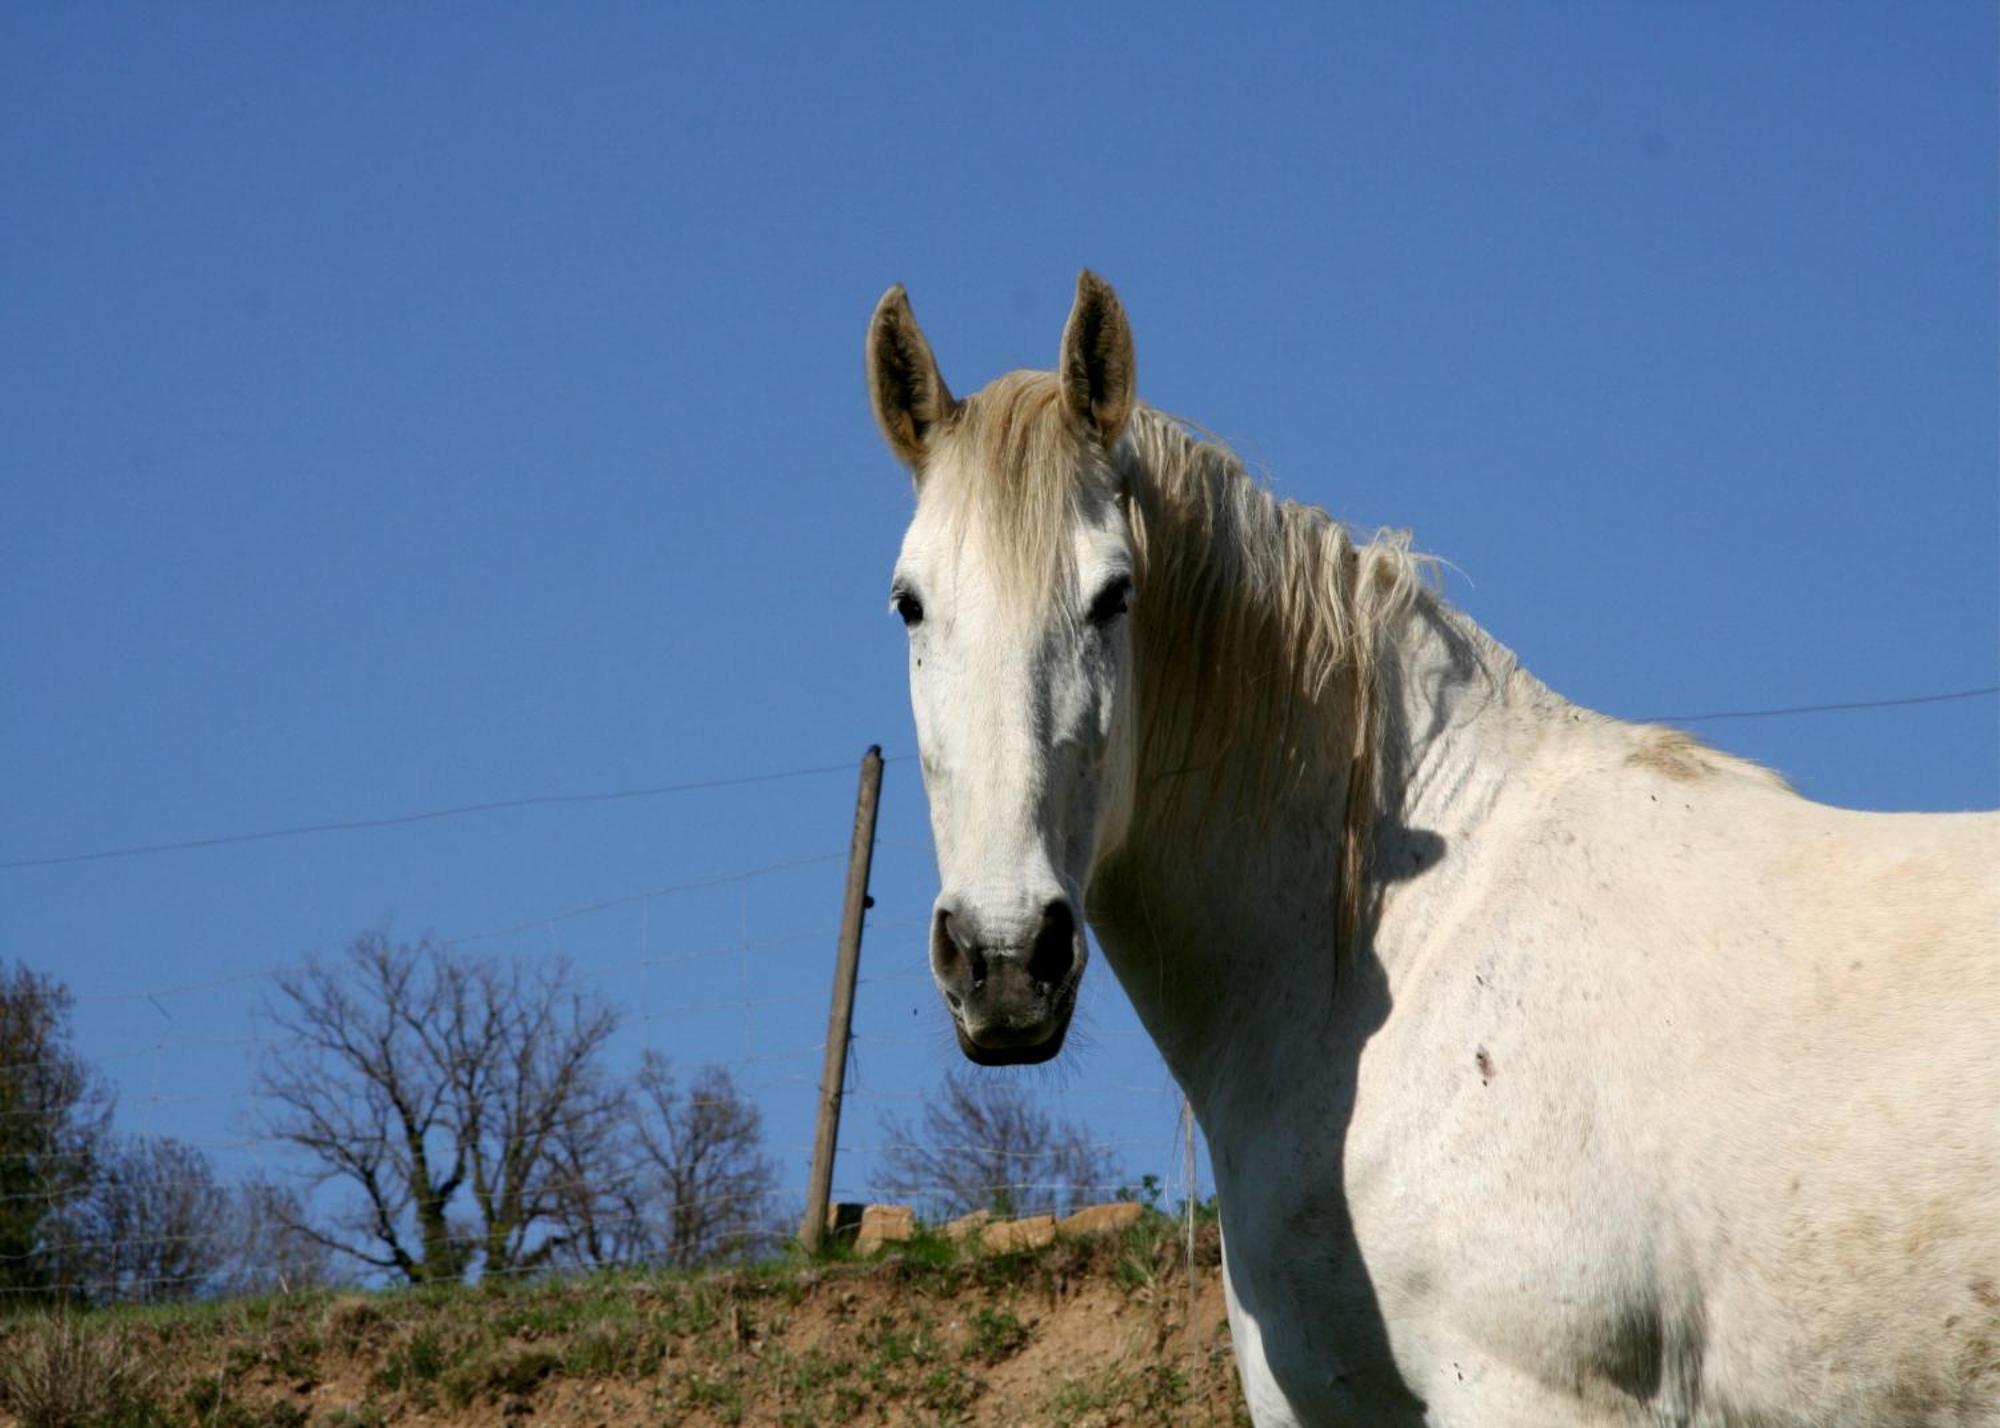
1706, 1063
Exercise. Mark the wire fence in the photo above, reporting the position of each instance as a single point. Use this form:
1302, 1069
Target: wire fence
723, 968
748, 1000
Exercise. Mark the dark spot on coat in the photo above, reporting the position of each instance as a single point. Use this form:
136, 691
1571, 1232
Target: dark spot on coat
1485, 1064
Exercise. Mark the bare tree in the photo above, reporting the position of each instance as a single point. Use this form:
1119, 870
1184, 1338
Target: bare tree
267, 1252
605, 1199
54, 1114
706, 1149
153, 1227
984, 1145
436, 1085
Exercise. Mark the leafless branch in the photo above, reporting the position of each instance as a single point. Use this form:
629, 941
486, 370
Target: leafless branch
983, 1145
423, 1078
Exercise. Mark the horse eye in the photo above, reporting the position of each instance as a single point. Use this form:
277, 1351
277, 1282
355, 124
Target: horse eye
909, 607
1111, 601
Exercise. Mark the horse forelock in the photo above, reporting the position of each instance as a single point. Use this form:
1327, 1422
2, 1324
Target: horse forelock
1011, 473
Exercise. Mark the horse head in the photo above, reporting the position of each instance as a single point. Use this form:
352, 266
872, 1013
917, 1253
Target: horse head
1016, 579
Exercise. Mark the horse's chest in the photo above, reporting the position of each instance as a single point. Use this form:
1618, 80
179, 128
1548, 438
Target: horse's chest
1313, 1345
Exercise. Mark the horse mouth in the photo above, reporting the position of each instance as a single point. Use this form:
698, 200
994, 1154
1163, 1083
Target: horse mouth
1013, 1055
1018, 1045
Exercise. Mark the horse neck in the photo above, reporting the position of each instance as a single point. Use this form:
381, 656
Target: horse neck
1222, 910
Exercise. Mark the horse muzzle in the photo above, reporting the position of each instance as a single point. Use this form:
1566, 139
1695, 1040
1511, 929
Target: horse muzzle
1011, 998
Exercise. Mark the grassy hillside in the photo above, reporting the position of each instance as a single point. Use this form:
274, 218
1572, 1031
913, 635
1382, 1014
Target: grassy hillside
1115, 1329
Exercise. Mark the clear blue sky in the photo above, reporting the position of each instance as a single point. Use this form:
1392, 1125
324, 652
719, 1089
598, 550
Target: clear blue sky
408, 408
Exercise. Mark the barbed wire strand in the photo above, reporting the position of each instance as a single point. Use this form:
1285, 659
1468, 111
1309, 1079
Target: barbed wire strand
528, 924
1840, 708
544, 800
428, 815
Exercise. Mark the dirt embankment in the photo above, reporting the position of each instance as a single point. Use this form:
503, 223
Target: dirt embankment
1113, 1329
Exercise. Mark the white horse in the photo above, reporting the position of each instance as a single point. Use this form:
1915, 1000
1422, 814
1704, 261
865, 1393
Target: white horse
1557, 1070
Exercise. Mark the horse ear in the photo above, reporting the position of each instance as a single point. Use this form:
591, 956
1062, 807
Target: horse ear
1098, 372
909, 396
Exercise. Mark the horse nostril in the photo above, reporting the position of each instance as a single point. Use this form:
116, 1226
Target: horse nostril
1054, 952
952, 954
947, 958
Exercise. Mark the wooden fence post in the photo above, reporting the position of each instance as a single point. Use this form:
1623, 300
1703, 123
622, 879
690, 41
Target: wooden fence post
840, 1015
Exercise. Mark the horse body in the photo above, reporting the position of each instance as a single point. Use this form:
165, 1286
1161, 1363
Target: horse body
1555, 1070
1660, 1085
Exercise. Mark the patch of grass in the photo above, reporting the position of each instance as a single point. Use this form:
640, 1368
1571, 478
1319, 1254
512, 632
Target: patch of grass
894, 1343
354, 1323
720, 1393
1135, 1268
996, 1334
930, 1249
506, 1373
1155, 1393
64, 1373
419, 1360
812, 1373
948, 1391
689, 1309
555, 1311
616, 1350
1077, 1398
904, 1360
295, 1357
365, 1416
214, 1407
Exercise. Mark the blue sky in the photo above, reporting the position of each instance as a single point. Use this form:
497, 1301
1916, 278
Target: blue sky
412, 407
